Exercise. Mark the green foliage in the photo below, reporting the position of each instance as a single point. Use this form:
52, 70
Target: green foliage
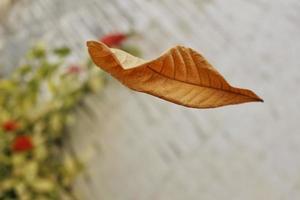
62, 52
36, 102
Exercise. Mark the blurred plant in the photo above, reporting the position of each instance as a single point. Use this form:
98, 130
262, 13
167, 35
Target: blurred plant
36, 104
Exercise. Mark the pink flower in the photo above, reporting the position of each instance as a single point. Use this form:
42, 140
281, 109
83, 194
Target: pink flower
10, 126
74, 69
114, 39
22, 143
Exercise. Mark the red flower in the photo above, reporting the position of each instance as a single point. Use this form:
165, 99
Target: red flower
73, 69
114, 39
10, 125
22, 143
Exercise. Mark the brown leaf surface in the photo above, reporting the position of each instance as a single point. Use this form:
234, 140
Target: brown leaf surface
180, 75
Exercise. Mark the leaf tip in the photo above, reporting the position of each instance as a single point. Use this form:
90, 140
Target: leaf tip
91, 43
97, 46
258, 99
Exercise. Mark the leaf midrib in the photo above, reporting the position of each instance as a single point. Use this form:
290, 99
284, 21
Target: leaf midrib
224, 90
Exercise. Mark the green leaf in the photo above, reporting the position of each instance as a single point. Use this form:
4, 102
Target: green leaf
23, 70
37, 52
46, 70
5, 171
62, 51
7, 85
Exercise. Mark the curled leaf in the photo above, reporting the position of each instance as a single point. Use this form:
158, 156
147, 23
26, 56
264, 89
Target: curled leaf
181, 75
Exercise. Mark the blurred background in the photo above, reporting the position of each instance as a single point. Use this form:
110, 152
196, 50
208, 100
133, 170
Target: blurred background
137, 147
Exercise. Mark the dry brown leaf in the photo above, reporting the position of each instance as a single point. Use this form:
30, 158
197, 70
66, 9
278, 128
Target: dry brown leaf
181, 75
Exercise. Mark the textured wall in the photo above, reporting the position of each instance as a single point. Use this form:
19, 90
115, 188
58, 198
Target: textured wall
138, 147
